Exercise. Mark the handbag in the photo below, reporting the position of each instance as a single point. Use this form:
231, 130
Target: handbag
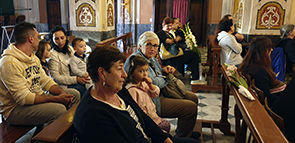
165, 54
174, 89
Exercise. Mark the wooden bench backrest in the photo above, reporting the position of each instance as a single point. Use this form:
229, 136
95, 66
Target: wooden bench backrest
277, 119
114, 40
71, 38
61, 130
11, 133
211, 45
261, 125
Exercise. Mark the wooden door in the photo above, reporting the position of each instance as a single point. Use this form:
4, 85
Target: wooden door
197, 16
162, 9
53, 13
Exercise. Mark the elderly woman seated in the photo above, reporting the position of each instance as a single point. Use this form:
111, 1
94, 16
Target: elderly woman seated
108, 113
288, 44
184, 109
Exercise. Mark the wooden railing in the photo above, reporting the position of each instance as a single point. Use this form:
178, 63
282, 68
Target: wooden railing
113, 41
213, 58
255, 117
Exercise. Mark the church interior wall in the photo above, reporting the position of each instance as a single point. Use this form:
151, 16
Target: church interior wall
141, 17
214, 15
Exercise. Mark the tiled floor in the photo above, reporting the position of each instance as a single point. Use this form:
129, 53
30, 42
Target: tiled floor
209, 108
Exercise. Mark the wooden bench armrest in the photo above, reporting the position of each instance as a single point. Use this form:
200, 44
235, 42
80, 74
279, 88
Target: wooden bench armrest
11, 133
58, 128
106, 42
109, 41
261, 125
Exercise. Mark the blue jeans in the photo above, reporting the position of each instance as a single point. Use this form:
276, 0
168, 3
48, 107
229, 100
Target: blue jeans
81, 88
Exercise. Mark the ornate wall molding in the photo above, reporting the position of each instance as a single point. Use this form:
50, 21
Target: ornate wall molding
270, 16
85, 16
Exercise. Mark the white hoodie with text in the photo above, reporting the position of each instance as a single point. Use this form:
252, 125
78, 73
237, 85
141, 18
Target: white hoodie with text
22, 77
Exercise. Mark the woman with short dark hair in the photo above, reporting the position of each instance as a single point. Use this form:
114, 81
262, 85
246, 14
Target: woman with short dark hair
230, 49
107, 112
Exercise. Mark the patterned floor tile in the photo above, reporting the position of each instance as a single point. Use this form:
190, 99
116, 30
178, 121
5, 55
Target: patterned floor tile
202, 114
201, 97
202, 105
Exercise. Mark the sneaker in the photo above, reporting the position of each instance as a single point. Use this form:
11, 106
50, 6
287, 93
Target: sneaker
198, 82
188, 72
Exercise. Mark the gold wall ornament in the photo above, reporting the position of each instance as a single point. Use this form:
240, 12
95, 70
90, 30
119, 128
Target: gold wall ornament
85, 16
270, 16
110, 15
240, 15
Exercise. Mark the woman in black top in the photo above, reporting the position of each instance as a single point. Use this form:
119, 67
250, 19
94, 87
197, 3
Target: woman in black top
257, 64
190, 58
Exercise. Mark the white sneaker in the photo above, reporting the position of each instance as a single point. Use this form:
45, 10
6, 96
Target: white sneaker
188, 72
198, 82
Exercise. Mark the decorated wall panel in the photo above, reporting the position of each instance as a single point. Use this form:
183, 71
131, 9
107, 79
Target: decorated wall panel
261, 17
91, 15
270, 16
85, 16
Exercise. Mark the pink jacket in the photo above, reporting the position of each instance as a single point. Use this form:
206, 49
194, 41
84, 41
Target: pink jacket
142, 96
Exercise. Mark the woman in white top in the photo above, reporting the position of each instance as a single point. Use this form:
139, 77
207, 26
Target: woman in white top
59, 62
230, 49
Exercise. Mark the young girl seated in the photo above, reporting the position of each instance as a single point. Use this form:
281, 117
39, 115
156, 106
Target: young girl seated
43, 53
142, 89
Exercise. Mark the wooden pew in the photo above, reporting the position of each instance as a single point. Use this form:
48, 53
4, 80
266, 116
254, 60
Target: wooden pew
255, 117
59, 131
113, 41
213, 58
62, 129
11, 133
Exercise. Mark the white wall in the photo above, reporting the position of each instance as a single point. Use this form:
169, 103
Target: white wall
32, 15
250, 13
64, 11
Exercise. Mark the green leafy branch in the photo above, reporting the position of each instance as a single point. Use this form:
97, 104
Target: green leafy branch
237, 81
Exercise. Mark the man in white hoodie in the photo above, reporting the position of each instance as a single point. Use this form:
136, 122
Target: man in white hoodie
22, 85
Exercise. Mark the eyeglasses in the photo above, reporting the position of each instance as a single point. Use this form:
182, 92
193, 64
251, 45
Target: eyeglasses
149, 46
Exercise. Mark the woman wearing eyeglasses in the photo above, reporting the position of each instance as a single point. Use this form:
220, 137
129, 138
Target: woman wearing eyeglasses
184, 109
190, 58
